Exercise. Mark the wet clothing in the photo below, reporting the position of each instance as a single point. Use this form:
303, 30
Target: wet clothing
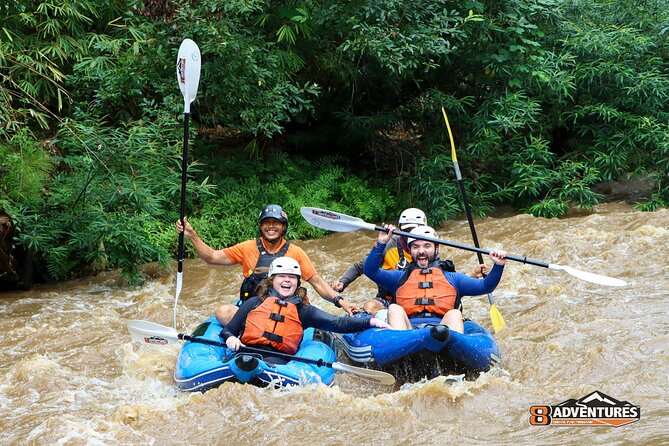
461, 283
395, 256
247, 254
309, 316
274, 322
426, 290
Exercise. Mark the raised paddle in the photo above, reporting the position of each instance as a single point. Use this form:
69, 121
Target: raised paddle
156, 334
334, 221
495, 316
188, 76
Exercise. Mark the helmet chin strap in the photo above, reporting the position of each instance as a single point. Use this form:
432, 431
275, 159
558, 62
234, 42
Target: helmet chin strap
272, 242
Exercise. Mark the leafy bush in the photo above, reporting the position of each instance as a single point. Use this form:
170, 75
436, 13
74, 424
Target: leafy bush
329, 104
230, 215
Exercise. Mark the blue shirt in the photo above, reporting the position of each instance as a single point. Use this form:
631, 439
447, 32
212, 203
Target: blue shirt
463, 284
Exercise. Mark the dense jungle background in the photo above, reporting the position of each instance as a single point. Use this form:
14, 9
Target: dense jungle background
333, 104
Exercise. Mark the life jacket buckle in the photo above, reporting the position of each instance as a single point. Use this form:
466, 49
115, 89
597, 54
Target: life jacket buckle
425, 285
272, 336
277, 317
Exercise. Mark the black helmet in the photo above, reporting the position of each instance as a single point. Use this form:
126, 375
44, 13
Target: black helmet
273, 211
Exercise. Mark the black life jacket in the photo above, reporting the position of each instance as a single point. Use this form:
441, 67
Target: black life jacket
250, 283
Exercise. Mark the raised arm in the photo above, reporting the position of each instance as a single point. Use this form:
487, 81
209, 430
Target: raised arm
385, 278
468, 286
205, 252
349, 276
327, 293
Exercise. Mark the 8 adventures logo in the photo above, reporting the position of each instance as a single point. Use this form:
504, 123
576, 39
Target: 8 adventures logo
595, 409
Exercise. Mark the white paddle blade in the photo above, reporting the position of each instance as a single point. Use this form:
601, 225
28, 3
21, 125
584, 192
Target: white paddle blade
152, 333
188, 71
333, 221
376, 376
588, 277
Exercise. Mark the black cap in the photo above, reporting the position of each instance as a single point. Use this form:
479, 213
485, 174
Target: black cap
273, 211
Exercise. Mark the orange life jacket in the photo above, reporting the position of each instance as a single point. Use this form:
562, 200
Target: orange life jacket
274, 322
426, 290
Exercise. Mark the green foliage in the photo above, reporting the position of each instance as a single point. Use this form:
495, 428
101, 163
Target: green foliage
439, 196
40, 42
566, 95
24, 168
319, 103
230, 215
112, 189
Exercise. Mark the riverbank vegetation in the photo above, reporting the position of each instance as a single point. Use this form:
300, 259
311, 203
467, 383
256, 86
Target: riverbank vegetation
314, 103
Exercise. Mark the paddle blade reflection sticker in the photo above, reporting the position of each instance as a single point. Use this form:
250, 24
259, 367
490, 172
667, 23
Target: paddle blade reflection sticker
595, 409
155, 340
326, 214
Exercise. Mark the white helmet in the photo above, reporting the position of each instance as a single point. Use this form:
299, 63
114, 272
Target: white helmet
422, 230
284, 265
412, 217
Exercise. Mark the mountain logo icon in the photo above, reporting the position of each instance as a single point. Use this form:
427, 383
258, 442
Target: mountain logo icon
594, 409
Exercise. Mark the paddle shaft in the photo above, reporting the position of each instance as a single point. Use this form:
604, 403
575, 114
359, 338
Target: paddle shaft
244, 349
465, 247
182, 212
468, 211
461, 185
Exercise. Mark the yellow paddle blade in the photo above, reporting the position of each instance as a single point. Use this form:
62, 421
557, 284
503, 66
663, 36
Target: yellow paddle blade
496, 318
450, 136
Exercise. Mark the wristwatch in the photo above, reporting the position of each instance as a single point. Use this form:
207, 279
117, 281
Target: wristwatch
336, 300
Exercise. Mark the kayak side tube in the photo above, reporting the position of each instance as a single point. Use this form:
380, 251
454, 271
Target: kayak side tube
201, 366
475, 349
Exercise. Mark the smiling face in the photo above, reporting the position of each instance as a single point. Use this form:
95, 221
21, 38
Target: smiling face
272, 229
285, 284
423, 252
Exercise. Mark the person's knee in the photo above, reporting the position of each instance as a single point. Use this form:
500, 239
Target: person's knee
372, 306
454, 313
453, 316
395, 309
225, 312
454, 320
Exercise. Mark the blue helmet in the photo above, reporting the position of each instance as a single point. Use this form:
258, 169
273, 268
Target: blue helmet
274, 211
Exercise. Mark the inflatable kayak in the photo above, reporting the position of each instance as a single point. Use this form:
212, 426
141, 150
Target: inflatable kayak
200, 366
427, 351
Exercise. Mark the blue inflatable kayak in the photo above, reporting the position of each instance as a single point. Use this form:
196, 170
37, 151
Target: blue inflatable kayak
200, 367
427, 351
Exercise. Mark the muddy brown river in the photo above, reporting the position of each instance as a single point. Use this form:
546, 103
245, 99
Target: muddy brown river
71, 374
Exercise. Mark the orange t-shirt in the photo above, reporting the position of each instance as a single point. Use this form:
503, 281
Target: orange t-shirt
246, 253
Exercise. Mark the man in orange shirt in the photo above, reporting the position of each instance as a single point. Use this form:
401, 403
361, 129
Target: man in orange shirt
256, 255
